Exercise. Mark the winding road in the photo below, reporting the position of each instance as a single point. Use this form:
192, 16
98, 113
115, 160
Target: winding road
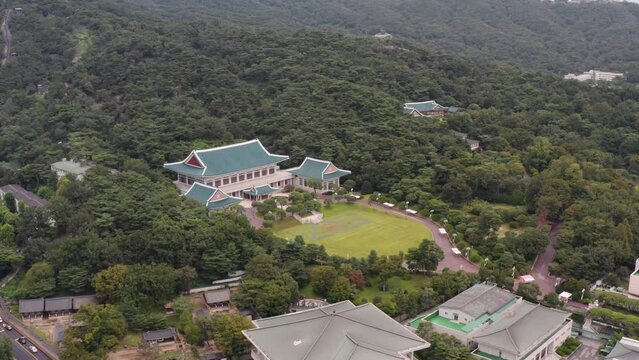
451, 260
6, 36
539, 271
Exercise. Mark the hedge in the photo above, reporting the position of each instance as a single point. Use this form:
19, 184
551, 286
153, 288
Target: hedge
630, 323
619, 301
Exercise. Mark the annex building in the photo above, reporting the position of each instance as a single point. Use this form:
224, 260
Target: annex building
222, 176
496, 324
428, 108
340, 331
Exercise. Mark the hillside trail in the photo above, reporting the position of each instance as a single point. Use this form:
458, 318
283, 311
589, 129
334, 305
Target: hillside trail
6, 36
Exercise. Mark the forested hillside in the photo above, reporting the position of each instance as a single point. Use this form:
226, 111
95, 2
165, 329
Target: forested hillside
131, 91
540, 35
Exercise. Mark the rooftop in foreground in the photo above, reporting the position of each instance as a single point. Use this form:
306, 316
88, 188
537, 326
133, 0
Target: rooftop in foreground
340, 331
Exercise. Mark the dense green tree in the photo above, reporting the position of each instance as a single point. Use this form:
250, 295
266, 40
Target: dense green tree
74, 279
529, 292
272, 299
424, 257
530, 243
103, 328
228, 335
341, 290
322, 279
39, 281
6, 350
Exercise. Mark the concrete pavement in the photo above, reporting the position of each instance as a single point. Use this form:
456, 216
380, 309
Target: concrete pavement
589, 350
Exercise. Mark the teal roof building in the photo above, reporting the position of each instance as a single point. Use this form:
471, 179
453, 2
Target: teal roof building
213, 198
226, 159
229, 174
319, 170
428, 108
326, 175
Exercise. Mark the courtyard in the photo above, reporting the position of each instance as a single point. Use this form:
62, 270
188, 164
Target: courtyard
353, 230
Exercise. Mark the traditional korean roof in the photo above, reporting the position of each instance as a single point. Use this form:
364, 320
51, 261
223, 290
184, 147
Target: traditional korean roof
261, 190
522, 327
31, 305
22, 195
212, 197
340, 331
226, 159
58, 304
318, 169
453, 109
156, 335
217, 296
625, 349
423, 106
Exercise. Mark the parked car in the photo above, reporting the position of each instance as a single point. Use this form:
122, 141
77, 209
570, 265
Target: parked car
22, 340
9, 328
33, 349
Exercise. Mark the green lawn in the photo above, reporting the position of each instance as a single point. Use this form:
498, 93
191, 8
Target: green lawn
355, 230
131, 340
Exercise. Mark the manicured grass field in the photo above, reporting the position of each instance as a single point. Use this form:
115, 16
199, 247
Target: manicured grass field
355, 230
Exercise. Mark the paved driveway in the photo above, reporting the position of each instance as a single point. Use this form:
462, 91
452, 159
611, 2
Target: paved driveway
451, 261
539, 271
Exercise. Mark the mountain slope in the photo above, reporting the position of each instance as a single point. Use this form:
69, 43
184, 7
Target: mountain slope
541, 35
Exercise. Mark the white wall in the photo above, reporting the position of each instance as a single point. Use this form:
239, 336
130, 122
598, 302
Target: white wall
463, 318
633, 286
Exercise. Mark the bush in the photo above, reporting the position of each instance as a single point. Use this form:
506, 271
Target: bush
268, 223
568, 347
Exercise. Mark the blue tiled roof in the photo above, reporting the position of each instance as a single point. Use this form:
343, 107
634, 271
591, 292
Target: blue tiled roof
227, 159
204, 194
422, 106
261, 190
318, 169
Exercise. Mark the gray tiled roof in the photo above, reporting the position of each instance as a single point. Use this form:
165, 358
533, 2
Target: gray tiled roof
217, 296
480, 299
162, 334
625, 349
58, 304
339, 332
523, 326
31, 306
